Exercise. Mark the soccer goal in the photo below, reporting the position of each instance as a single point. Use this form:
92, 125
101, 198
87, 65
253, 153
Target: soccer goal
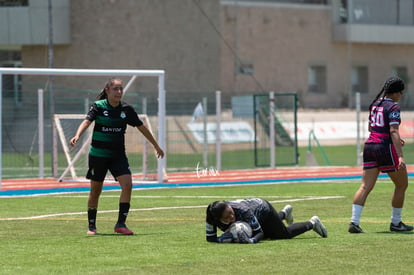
77, 157
25, 120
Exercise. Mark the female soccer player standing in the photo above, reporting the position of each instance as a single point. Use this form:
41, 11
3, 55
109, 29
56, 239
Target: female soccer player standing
107, 151
383, 153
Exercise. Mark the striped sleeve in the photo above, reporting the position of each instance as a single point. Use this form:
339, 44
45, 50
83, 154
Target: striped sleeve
211, 233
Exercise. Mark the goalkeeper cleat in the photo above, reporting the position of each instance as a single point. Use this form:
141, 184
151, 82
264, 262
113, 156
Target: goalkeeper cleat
318, 227
122, 229
401, 227
288, 214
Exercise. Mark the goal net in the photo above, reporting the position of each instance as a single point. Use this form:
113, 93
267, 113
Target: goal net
30, 143
75, 163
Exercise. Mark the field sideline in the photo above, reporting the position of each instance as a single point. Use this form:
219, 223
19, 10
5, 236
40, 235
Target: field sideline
32, 187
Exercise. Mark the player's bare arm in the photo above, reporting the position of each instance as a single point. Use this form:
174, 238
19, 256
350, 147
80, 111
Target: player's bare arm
148, 135
82, 127
398, 143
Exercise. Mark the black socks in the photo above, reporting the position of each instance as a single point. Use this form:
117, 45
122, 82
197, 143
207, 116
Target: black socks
92, 217
123, 212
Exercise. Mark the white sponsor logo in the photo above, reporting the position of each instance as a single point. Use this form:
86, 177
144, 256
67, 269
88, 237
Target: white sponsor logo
113, 130
395, 115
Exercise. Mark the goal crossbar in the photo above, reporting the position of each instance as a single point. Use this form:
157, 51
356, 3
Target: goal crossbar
160, 74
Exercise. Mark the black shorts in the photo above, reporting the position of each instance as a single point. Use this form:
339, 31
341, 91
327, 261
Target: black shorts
381, 156
99, 166
273, 226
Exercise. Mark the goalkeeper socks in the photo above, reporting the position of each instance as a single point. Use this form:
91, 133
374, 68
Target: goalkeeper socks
123, 212
92, 217
356, 213
396, 215
298, 228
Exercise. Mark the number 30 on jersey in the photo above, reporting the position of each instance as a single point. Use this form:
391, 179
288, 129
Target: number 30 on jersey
377, 116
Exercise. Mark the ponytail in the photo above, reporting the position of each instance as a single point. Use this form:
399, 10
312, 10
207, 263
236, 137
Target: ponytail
376, 98
392, 85
102, 95
108, 84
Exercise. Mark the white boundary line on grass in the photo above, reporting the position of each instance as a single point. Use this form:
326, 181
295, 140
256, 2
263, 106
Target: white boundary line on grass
175, 197
163, 208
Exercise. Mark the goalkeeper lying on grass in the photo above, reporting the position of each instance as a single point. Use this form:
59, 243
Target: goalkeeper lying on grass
265, 221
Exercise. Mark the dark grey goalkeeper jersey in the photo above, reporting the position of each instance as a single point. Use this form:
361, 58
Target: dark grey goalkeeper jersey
253, 211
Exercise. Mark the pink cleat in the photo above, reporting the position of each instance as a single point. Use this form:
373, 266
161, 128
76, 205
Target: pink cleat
91, 231
122, 229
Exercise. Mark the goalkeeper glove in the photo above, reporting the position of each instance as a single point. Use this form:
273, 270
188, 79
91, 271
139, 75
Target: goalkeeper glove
243, 237
226, 237
252, 240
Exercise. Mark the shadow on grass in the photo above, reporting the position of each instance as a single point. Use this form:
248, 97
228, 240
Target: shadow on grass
121, 235
110, 235
390, 232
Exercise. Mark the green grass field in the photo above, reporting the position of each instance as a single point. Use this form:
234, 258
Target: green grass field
47, 234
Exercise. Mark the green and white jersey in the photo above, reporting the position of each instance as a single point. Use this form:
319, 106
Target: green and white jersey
108, 137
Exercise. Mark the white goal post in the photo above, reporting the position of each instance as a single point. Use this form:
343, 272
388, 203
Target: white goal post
160, 74
77, 156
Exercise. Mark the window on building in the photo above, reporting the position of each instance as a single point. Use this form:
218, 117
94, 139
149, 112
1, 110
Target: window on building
245, 67
318, 2
317, 79
402, 72
376, 12
359, 78
11, 84
13, 3
343, 11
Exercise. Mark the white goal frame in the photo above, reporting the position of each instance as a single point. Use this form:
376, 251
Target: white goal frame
84, 147
160, 74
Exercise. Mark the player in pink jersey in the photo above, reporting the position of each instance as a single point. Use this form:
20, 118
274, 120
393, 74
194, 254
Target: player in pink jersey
383, 153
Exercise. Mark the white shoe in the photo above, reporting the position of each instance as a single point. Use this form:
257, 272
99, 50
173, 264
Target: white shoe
318, 227
288, 214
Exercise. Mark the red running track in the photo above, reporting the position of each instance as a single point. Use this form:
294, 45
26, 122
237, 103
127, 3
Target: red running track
206, 176
198, 176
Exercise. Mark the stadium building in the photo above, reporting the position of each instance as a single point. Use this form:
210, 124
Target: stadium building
324, 50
